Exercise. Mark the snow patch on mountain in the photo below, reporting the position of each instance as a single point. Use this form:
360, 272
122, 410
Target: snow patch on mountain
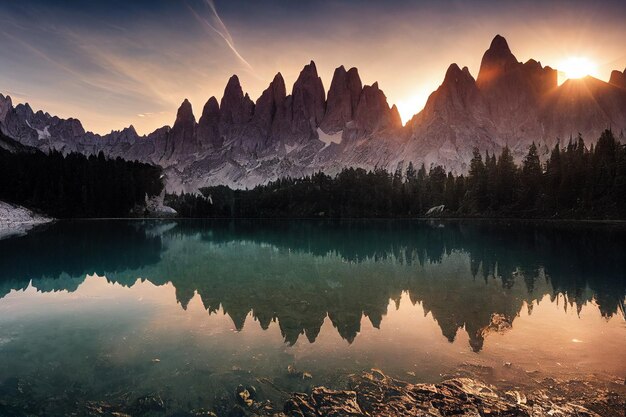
43, 134
329, 139
290, 148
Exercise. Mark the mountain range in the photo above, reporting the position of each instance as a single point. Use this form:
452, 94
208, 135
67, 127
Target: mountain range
242, 143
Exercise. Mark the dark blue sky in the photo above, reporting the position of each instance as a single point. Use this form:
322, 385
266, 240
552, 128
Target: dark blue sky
113, 63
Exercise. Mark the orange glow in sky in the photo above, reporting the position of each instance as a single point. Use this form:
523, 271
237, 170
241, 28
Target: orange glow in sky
576, 67
132, 64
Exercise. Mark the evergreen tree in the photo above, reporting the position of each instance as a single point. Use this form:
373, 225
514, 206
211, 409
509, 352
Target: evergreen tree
531, 178
552, 184
477, 184
506, 180
411, 173
75, 185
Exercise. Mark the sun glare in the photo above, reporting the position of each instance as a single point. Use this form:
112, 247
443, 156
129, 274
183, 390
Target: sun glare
576, 67
411, 105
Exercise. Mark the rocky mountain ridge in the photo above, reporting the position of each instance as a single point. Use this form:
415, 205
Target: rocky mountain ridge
242, 143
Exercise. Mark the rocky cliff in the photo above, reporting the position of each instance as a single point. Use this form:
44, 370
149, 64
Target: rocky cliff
242, 143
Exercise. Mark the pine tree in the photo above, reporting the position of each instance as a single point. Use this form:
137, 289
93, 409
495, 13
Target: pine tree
531, 178
553, 181
477, 184
411, 173
451, 200
506, 180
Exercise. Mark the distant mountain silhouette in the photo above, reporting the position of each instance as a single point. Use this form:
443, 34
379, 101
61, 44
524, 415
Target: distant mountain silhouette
474, 276
239, 142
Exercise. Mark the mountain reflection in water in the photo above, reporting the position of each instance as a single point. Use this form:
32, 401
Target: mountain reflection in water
475, 275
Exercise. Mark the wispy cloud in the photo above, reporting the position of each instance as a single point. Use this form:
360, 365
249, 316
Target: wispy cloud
220, 28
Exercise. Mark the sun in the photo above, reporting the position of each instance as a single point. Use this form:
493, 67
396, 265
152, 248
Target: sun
411, 104
577, 67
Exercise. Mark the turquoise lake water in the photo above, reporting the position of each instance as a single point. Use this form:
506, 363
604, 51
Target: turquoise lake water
188, 310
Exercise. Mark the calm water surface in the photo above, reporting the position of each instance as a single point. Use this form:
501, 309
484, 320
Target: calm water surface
188, 310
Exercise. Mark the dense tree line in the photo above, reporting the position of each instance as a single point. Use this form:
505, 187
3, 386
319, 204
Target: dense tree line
575, 182
74, 185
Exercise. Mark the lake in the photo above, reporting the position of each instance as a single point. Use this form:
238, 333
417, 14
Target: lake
117, 310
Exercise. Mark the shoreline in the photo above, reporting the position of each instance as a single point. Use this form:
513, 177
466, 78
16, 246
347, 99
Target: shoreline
16, 220
502, 219
365, 394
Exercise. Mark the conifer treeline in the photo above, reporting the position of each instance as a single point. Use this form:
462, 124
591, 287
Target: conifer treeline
575, 182
76, 186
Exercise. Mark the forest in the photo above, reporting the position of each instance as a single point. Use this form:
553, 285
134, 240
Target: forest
575, 182
75, 186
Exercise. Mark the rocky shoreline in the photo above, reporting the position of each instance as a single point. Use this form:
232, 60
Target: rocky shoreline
16, 220
375, 394
367, 394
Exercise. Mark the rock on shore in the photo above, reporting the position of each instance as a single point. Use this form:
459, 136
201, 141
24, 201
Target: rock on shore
17, 220
370, 394
375, 394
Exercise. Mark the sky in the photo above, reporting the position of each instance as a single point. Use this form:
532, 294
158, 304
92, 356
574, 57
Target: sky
115, 63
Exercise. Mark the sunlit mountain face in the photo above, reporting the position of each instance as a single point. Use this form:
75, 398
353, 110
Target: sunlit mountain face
205, 304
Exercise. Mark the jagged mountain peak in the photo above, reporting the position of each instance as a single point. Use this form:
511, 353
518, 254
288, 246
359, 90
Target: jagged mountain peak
184, 113
373, 112
269, 108
278, 79
127, 134
24, 108
6, 104
277, 88
496, 61
456, 98
232, 91
586, 105
233, 82
452, 69
308, 103
343, 98
182, 138
354, 84
453, 73
533, 63
278, 85
458, 80
308, 72
574, 88
618, 78
210, 106
396, 120
583, 82
339, 74
208, 125
499, 46
235, 107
